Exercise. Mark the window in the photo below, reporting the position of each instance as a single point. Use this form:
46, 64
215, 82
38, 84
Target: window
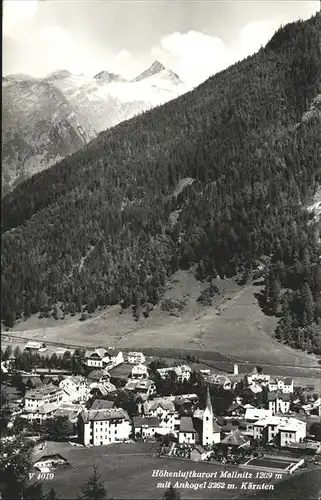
207, 419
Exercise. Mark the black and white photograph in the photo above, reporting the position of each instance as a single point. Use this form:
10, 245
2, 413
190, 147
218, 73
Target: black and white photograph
161, 250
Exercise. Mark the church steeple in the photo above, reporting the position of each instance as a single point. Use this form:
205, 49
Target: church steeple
208, 404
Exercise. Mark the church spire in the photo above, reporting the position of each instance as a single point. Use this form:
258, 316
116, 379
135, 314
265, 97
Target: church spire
208, 405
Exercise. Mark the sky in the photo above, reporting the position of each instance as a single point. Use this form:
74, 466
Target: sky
195, 39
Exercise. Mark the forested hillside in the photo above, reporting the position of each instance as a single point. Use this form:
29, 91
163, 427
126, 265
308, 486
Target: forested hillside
104, 225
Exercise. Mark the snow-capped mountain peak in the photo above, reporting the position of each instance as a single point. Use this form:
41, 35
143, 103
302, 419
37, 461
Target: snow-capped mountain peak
58, 75
46, 119
158, 70
107, 77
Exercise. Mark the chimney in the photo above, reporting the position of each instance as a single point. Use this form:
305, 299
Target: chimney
236, 369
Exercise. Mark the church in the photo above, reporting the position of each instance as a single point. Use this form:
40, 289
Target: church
201, 428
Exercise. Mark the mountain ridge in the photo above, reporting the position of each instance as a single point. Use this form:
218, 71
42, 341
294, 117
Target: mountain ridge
88, 104
253, 170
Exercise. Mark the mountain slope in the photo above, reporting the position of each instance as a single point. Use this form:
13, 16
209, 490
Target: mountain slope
254, 162
39, 128
47, 119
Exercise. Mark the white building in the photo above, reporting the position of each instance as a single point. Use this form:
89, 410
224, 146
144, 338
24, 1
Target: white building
183, 372
284, 430
101, 427
43, 395
139, 371
97, 358
76, 387
284, 385
252, 415
136, 358
33, 346
187, 433
165, 411
145, 426
278, 402
41, 413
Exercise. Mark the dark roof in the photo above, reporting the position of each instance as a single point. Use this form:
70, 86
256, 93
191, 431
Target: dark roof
234, 406
216, 427
186, 425
288, 381
146, 422
102, 404
104, 414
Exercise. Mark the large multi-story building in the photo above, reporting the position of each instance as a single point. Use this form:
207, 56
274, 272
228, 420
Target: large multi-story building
43, 395
76, 387
105, 426
165, 411
282, 430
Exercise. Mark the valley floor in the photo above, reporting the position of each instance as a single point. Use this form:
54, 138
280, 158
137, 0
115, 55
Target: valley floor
234, 326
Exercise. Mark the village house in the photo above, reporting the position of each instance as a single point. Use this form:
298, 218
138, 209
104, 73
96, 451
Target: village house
45, 456
278, 402
101, 427
35, 398
235, 439
33, 346
187, 433
99, 389
219, 381
284, 385
252, 415
145, 427
198, 454
136, 358
97, 358
145, 387
76, 387
98, 376
257, 377
165, 412
182, 373
282, 430
139, 372
40, 414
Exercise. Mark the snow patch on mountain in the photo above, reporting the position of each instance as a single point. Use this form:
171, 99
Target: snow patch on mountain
46, 119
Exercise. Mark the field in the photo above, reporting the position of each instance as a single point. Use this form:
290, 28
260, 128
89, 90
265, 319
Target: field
270, 463
127, 471
233, 328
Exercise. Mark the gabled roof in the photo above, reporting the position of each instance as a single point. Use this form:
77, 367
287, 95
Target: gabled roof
145, 422
102, 404
104, 414
47, 408
235, 438
199, 448
186, 425
288, 381
156, 403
